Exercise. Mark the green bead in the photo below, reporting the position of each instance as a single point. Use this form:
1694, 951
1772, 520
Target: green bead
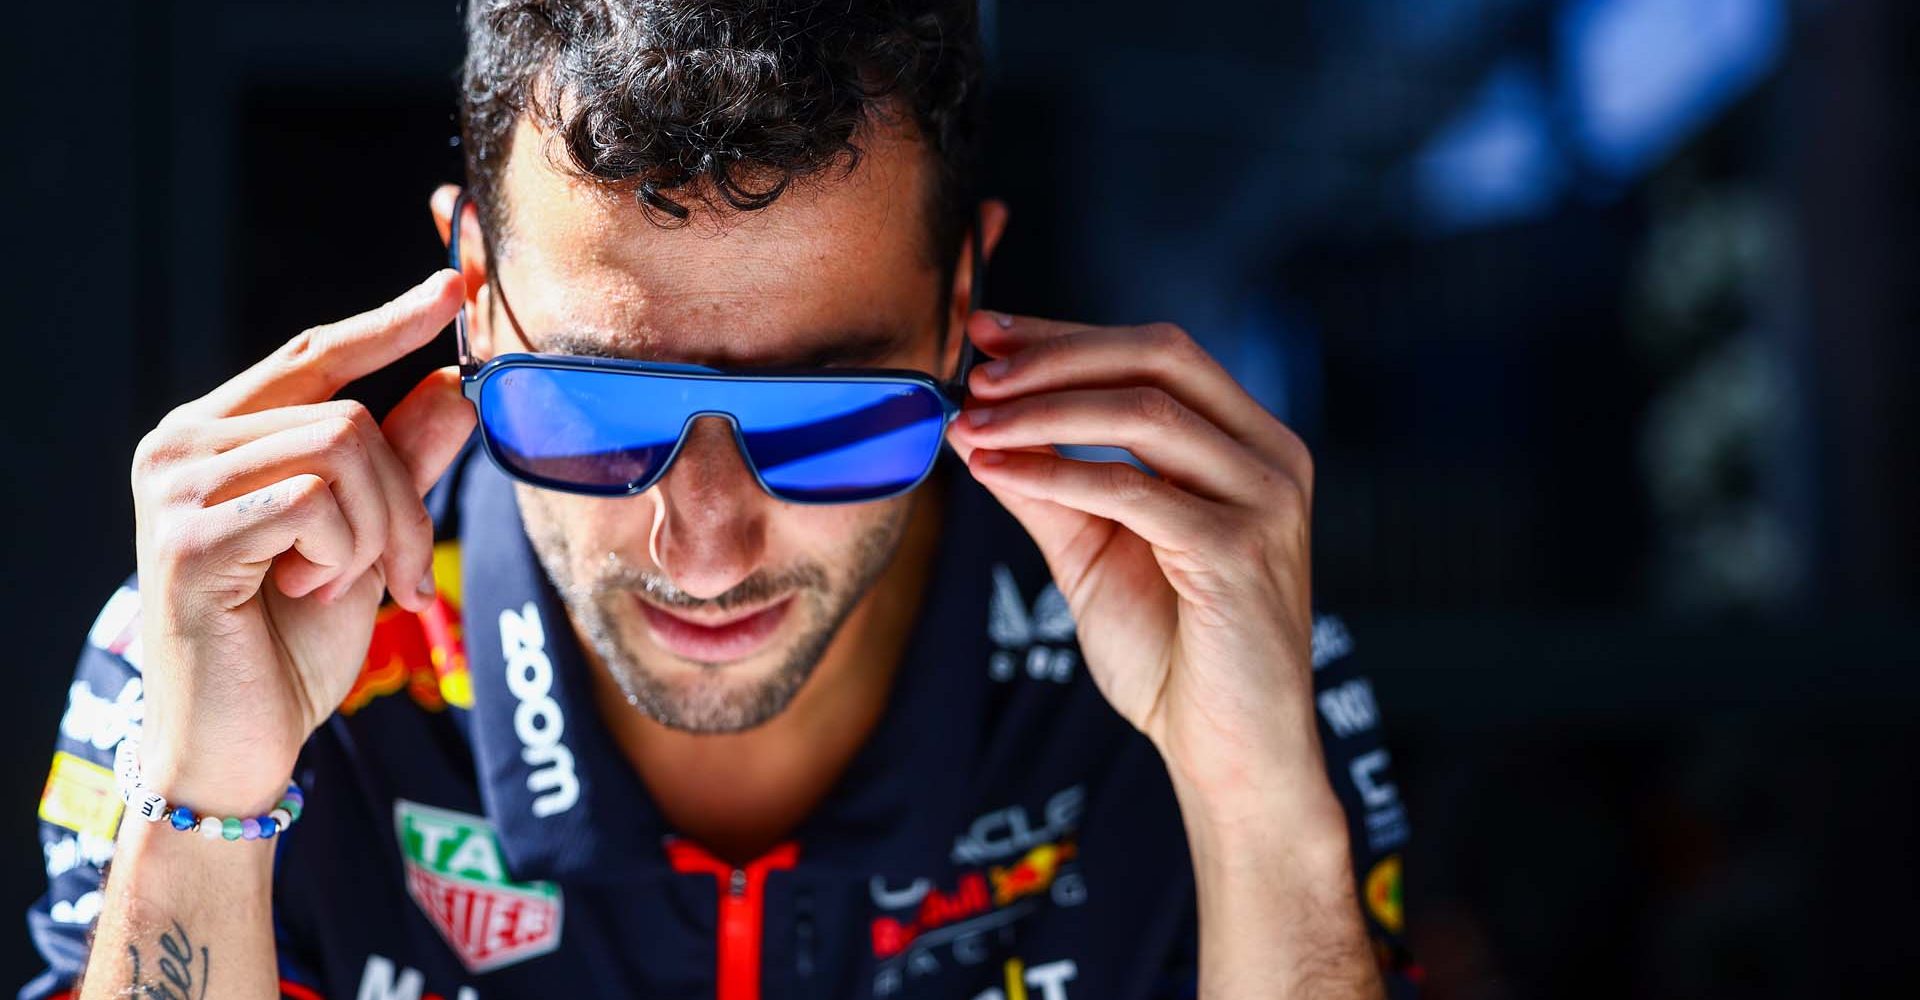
292, 807
230, 828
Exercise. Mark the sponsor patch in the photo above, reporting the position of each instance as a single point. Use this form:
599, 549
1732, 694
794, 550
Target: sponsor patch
892, 935
385, 979
103, 722
81, 796
1040, 639
457, 875
1383, 894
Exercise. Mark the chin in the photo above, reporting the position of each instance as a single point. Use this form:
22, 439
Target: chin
709, 697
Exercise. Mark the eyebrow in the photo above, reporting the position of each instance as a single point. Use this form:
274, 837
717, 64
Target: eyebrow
846, 349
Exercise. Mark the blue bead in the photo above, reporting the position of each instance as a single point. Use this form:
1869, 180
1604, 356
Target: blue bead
181, 817
268, 827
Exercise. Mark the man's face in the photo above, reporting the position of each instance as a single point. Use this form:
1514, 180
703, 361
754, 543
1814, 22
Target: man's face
709, 601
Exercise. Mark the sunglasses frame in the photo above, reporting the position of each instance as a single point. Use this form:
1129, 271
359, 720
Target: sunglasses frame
474, 374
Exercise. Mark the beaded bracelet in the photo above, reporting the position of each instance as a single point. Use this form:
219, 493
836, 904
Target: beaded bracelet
151, 806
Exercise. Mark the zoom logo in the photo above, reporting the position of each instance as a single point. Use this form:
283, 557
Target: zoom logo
537, 720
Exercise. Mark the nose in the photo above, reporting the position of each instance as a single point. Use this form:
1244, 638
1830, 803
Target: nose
710, 515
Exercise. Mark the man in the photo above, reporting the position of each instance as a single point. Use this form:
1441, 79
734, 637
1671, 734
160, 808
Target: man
688, 685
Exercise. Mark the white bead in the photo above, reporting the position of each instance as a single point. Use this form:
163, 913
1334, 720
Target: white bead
151, 807
209, 827
282, 817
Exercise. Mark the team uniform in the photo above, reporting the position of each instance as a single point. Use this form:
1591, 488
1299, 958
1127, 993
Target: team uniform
471, 831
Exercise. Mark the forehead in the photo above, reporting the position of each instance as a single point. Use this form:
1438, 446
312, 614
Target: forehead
838, 255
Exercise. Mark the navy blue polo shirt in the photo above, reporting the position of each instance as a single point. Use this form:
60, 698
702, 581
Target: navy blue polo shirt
471, 831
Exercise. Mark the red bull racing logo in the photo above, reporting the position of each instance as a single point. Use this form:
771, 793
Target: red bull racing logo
937, 909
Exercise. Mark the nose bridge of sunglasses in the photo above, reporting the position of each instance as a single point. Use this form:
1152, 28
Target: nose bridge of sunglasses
711, 440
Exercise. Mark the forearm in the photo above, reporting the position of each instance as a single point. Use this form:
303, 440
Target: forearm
185, 917
1277, 906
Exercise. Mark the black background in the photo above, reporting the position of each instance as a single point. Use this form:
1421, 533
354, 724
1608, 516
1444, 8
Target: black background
1645, 752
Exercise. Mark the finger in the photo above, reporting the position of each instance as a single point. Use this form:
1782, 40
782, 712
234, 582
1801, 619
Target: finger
1160, 354
428, 426
332, 449
408, 554
1159, 512
294, 526
1173, 440
318, 362
999, 334
408, 559
227, 433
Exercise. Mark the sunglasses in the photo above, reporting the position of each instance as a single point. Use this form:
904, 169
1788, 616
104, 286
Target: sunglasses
612, 427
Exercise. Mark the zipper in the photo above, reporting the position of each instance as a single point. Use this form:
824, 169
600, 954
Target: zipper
742, 911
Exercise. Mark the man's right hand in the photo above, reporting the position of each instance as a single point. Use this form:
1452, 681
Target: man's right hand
269, 519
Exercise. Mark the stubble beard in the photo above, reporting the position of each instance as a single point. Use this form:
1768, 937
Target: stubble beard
715, 703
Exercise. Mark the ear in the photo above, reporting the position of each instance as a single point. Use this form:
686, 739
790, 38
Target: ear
992, 214
473, 264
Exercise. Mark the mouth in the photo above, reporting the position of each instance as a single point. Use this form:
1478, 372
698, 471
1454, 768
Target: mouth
715, 639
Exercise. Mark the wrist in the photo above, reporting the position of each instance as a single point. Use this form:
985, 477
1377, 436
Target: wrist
228, 785
1277, 823
152, 807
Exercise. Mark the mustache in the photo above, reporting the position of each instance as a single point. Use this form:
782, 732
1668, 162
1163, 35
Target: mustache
758, 588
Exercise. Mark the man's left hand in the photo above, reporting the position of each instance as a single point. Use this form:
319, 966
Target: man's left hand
1190, 588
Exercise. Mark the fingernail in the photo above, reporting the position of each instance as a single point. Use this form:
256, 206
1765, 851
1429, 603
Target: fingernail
997, 369
979, 416
425, 589
1005, 321
992, 457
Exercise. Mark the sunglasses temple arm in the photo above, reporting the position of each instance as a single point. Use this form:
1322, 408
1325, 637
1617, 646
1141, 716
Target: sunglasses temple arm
976, 289
463, 352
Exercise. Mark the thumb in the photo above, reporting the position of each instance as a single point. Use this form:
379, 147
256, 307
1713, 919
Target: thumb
427, 428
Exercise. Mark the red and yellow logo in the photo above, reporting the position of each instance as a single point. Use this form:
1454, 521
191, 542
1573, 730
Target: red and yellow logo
1383, 894
1033, 873
969, 897
425, 654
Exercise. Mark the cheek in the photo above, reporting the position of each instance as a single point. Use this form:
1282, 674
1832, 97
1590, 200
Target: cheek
837, 538
582, 530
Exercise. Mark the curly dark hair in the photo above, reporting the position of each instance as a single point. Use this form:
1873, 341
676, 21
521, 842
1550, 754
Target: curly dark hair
724, 103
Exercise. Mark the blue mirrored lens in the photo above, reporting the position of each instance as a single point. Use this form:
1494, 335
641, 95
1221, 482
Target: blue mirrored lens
816, 441
826, 441
602, 431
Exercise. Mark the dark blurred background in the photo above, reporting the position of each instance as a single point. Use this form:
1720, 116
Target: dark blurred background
1599, 314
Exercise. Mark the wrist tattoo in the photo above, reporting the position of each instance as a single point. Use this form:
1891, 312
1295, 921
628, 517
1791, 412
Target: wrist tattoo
181, 975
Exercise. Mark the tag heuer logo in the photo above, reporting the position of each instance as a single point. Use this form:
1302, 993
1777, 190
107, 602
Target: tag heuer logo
456, 873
